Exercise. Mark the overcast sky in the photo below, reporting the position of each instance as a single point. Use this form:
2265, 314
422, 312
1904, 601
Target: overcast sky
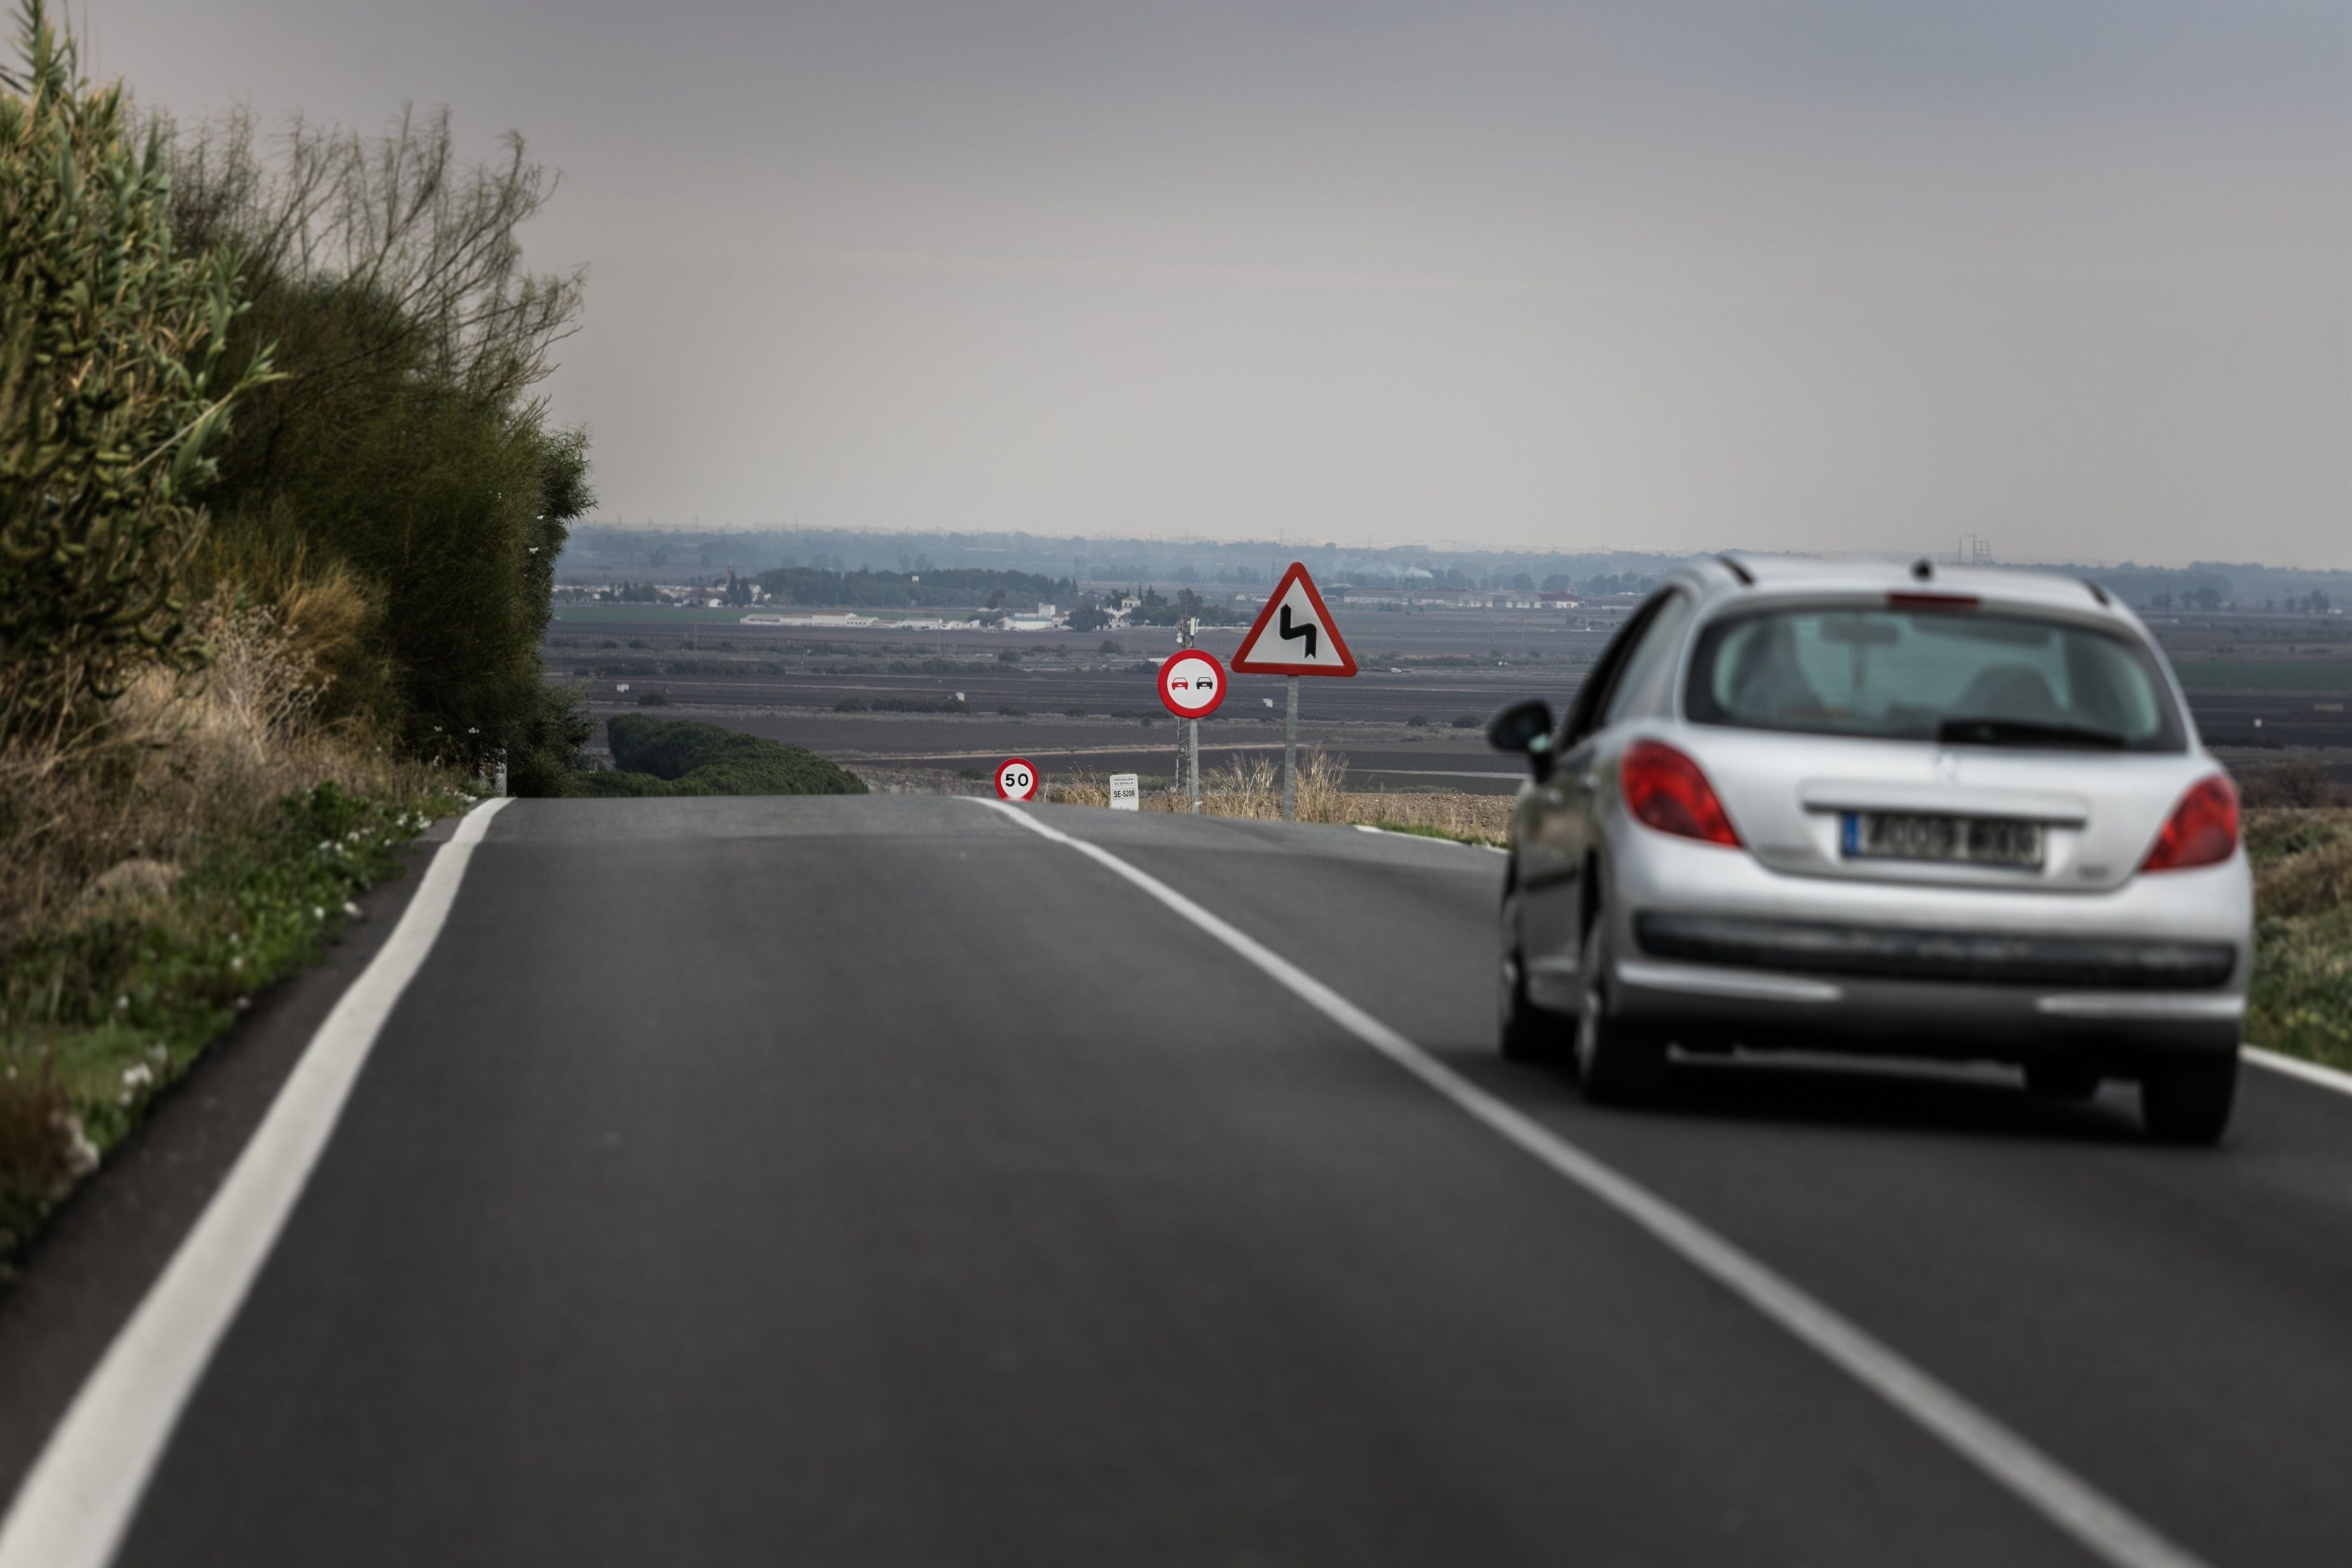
2074, 276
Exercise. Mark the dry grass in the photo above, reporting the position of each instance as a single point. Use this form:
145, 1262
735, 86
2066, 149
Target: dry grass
157, 870
180, 760
1253, 788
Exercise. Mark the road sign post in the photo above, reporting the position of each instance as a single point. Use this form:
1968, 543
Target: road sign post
1290, 748
1293, 635
1192, 686
1016, 779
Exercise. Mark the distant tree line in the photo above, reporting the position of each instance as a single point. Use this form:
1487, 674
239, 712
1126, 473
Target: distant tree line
954, 588
684, 756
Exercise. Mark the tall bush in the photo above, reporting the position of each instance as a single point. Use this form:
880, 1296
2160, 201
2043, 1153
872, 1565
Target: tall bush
405, 447
116, 381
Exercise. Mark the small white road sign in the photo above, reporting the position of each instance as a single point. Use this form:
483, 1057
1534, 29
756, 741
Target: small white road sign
1126, 794
1015, 779
1191, 684
1295, 634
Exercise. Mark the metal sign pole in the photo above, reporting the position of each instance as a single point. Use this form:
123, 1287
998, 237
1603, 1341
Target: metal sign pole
1183, 641
1290, 749
1194, 741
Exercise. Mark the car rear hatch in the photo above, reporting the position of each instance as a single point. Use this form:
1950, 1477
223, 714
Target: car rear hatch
1915, 813
1930, 738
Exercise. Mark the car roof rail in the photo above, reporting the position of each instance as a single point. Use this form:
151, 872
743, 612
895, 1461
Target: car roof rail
1746, 577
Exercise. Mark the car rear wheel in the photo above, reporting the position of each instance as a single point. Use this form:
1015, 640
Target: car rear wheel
2186, 1099
1523, 1031
1618, 1062
2061, 1080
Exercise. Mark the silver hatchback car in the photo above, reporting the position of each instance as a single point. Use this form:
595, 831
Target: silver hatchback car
1918, 811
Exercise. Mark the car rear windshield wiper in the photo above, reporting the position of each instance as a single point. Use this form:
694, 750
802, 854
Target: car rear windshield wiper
2025, 732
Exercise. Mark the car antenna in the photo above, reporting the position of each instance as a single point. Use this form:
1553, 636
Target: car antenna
2096, 591
1923, 569
1747, 578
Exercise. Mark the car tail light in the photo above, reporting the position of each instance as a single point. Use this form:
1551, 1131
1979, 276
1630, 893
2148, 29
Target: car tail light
2202, 830
1667, 790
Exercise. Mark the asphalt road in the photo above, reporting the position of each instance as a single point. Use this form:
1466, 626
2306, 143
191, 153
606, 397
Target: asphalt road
874, 1181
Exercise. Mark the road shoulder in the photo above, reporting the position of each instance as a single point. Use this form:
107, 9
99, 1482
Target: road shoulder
94, 1259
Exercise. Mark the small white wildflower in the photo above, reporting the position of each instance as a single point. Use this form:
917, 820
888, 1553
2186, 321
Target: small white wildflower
137, 1074
123, 1004
82, 1155
237, 965
317, 913
351, 909
243, 1003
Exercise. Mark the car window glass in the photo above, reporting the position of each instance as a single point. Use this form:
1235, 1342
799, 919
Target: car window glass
1651, 662
1584, 710
1903, 674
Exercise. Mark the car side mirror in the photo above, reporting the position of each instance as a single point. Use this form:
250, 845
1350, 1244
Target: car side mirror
1525, 728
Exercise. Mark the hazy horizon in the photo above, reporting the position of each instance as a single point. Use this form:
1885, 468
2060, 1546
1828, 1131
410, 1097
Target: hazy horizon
1845, 278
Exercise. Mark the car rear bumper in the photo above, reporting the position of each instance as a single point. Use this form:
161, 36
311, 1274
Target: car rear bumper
1710, 1005
1728, 951
1893, 953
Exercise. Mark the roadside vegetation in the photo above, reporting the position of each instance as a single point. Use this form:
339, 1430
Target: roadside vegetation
277, 515
1253, 788
682, 757
2299, 836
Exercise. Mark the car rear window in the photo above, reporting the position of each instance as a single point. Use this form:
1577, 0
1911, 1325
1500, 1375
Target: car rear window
1959, 675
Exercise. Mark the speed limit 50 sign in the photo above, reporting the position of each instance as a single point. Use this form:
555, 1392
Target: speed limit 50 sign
1015, 779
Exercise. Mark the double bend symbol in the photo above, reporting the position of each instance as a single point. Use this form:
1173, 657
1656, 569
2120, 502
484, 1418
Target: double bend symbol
1304, 629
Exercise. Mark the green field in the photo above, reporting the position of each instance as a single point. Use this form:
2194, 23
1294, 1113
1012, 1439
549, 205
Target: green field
2333, 675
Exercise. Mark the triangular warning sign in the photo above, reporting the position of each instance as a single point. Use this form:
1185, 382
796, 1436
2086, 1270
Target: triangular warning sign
1295, 635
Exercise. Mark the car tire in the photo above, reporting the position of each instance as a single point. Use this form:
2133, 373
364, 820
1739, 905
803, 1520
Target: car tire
1618, 1062
2186, 1099
2061, 1080
1523, 1031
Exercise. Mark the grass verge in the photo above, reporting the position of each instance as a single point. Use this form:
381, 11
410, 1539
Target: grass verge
2300, 1001
102, 1009
1253, 788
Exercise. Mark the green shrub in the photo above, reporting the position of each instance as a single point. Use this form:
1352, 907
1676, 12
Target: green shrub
683, 757
402, 450
115, 388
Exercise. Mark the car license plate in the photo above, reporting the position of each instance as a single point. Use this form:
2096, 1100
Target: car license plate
1966, 840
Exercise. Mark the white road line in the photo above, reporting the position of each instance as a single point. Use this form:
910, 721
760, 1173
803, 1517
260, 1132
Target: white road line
75, 1506
2064, 1499
2295, 1067
1428, 838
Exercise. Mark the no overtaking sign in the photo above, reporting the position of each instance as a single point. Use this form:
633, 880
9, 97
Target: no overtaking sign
1191, 684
